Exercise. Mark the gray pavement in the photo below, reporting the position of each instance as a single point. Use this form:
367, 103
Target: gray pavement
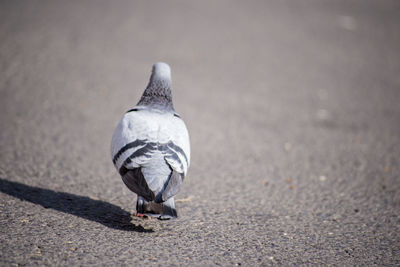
292, 108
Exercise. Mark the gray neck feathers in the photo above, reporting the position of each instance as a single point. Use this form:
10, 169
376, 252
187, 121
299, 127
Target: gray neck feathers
158, 91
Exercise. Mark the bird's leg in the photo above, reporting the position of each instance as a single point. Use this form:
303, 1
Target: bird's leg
140, 207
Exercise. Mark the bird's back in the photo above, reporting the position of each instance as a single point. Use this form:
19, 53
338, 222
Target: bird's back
154, 141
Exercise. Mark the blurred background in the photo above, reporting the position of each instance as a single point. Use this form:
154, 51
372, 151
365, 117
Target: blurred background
292, 109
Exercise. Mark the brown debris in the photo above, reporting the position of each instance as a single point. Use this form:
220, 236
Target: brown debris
387, 169
188, 199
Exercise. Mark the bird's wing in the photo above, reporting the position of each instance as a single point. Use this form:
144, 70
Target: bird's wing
133, 139
178, 145
140, 133
173, 185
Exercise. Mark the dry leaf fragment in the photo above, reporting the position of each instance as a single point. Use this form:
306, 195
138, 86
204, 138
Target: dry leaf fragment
188, 199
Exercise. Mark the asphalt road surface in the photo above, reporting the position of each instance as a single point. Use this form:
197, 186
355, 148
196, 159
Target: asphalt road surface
293, 109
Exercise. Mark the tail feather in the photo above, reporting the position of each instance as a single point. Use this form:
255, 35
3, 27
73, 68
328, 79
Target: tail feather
168, 210
136, 182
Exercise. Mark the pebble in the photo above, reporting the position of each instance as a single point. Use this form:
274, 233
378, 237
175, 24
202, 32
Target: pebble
287, 146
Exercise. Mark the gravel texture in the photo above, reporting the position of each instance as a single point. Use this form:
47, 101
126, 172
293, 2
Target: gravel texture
292, 109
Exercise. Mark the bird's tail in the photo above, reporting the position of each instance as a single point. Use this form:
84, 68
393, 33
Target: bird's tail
163, 211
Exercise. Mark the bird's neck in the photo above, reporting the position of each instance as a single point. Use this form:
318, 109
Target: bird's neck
157, 94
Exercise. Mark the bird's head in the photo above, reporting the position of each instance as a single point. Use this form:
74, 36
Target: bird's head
161, 71
158, 92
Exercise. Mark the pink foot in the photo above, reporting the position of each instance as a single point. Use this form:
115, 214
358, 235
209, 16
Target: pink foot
141, 215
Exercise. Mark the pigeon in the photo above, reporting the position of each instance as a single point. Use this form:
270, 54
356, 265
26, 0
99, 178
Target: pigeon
150, 148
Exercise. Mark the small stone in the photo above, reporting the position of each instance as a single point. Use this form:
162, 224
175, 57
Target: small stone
387, 168
347, 23
287, 146
323, 114
322, 178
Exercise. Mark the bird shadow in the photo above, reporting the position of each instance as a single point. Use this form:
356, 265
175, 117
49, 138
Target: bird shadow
99, 211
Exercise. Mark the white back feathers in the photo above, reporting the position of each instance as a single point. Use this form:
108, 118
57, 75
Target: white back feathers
150, 147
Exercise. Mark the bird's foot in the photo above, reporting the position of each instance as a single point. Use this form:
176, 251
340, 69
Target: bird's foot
140, 215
